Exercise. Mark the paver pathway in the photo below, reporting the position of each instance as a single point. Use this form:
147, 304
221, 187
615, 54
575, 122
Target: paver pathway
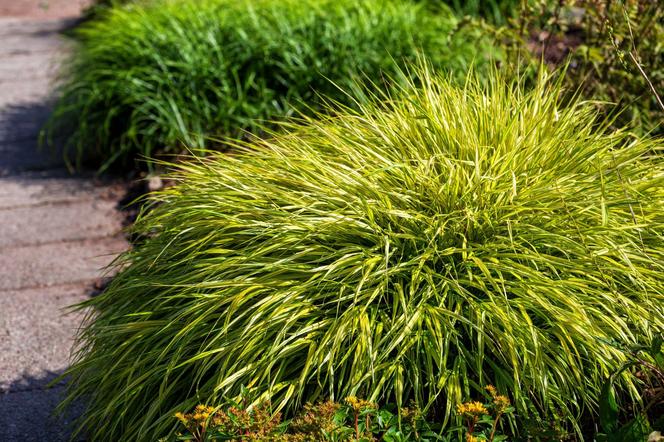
56, 233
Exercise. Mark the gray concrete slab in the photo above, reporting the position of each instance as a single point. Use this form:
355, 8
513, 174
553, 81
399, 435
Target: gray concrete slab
57, 263
18, 93
29, 36
17, 43
22, 122
52, 186
30, 54
42, 9
66, 221
33, 352
24, 156
25, 29
26, 65
29, 416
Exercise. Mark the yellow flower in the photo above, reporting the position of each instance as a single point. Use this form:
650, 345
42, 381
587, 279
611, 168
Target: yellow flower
472, 409
501, 402
182, 417
201, 417
412, 413
204, 409
492, 390
359, 404
471, 438
202, 413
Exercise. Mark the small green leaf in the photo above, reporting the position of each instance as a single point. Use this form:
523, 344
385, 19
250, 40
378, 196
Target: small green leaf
636, 430
486, 419
659, 360
608, 408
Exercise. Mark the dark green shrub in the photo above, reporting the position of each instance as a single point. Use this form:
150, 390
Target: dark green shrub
414, 250
174, 73
619, 38
627, 424
496, 11
614, 51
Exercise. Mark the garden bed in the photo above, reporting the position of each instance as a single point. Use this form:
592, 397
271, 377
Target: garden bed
480, 253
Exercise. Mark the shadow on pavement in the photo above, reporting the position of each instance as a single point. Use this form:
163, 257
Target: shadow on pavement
19, 140
28, 411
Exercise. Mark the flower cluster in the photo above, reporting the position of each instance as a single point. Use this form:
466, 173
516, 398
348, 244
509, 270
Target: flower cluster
360, 404
489, 413
317, 419
199, 417
253, 424
472, 409
500, 402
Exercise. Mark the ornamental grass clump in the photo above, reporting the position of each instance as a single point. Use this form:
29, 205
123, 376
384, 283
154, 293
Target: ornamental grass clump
416, 249
158, 75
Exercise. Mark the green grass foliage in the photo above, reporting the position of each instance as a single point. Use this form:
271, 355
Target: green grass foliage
496, 11
162, 74
416, 249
